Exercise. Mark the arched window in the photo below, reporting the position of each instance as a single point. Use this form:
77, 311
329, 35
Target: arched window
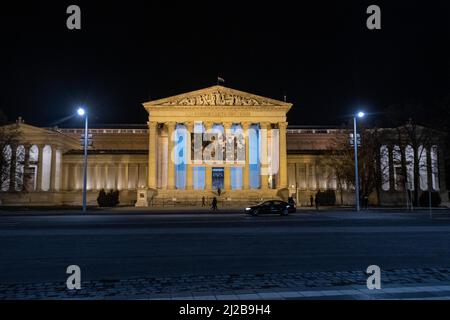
33, 161
20, 165
46, 167
6, 167
434, 167
423, 177
397, 161
384, 168
409, 157
34, 154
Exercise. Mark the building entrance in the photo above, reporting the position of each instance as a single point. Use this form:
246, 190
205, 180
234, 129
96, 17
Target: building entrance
217, 178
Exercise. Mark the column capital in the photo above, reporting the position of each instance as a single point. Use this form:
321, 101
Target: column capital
265, 125
208, 124
227, 125
282, 125
246, 125
152, 124
171, 124
189, 126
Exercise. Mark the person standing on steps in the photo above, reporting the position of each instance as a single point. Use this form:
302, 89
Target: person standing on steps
203, 201
214, 204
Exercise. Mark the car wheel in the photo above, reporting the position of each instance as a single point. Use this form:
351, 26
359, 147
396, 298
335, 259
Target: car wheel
255, 212
285, 212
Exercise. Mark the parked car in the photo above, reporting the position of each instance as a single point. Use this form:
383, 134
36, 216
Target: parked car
270, 207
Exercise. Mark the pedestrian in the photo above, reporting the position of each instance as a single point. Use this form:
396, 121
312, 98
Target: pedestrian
317, 200
366, 202
203, 201
291, 201
214, 204
311, 200
219, 191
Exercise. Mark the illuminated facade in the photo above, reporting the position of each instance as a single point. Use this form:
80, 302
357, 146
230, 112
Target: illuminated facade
254, 156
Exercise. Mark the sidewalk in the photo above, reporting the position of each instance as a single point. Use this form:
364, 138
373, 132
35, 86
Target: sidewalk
128, 210
40, 211
397, 283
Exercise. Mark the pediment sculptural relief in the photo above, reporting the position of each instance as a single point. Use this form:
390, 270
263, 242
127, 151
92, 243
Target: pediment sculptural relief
218, 99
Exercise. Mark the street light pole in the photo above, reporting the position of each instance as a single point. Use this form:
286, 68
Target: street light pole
82, 112
85, 161
355, 144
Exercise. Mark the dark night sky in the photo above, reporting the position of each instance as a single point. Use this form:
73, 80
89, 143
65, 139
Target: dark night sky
321, 55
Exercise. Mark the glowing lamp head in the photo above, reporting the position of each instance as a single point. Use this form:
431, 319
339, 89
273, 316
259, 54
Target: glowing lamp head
81, 112
361, 114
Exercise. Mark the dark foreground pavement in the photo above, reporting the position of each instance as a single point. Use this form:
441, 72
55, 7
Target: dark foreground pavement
134, 255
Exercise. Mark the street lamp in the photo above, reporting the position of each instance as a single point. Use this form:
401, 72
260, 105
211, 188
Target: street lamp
360, 114
82, 112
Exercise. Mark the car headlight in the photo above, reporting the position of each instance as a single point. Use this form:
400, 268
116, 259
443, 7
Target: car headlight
288, 206
248, 209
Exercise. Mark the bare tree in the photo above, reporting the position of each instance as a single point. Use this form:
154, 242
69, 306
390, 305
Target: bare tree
417, 133
10, 135
342, 160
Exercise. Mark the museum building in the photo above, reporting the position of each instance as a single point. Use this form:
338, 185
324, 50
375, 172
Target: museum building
256, 156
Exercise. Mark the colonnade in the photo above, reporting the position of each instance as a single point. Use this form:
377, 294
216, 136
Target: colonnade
267, 155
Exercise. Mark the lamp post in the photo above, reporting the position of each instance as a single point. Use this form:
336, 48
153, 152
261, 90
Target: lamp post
355, 145
81, 112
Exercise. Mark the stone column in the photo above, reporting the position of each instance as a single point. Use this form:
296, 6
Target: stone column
53, 170
264, 163
429, 168
39, 168
246, 172
282, 155
270, 153
152, 137
26, 168
107, 176
208, 166
13, 169
127, 169
170, 162
189, 168
64, 178
391, 167
227, 162
93, 174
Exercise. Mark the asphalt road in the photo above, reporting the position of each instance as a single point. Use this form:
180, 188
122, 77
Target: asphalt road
38, 248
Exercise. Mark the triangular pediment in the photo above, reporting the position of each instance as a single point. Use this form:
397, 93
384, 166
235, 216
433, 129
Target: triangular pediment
31, 134
216, 96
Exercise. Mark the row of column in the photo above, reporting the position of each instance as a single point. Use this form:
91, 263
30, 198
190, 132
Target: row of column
392, 157
118, 176
311, 175
15, 163
265, 126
